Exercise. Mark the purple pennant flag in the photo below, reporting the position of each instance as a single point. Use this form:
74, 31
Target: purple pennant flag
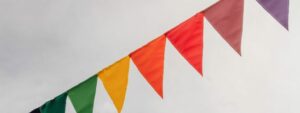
279, 9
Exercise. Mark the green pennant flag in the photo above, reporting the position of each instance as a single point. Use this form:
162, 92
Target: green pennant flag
82, 96
56, 105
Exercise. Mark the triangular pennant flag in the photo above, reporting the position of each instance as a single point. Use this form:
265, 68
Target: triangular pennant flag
56, 105
82, 96
188, 40
115, 80
226, 16
37, 110
150, 61
279, 9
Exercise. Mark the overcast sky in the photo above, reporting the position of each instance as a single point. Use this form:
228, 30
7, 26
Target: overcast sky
49, 46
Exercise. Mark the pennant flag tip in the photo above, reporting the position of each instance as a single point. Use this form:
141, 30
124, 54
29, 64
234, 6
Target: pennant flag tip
161, 96
200, 71
285, 23
286, 27
160, 93
237, 48
239, 53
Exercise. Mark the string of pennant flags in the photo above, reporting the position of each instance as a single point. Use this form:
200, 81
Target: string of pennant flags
226, 17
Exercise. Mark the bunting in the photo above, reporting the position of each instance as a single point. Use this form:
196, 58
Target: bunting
279, 9
150, 61
56, 105
82, 96
187, 38
226, 17
115, 80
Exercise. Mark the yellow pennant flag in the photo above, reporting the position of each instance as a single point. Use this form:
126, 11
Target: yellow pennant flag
115, 79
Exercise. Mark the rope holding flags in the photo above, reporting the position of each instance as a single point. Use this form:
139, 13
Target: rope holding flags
226, 17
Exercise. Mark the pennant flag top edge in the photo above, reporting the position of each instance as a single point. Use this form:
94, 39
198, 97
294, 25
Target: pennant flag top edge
115, 81
278, 9
187, 38
37, 110
82, 96
56, 105
226, 16
150, 62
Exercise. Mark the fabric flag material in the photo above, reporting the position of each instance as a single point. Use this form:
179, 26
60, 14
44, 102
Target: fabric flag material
115, 80
279, 9
187, 38
37, 110
226, 16
82, 96
150, 61
56, 105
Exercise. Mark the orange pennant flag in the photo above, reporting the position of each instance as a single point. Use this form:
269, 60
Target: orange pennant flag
226, 16
150, 61
188, 40
115, 80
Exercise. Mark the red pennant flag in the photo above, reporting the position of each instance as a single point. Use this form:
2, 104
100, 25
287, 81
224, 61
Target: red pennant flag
188, 40
226, 17
150, 61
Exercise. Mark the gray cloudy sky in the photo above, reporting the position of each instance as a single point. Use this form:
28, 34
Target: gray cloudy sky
48, 46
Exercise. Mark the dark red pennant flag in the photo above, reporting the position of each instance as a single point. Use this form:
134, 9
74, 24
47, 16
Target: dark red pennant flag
226, 17
150, 61
188, 40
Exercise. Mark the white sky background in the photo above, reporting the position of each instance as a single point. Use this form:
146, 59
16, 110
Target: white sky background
49, 46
